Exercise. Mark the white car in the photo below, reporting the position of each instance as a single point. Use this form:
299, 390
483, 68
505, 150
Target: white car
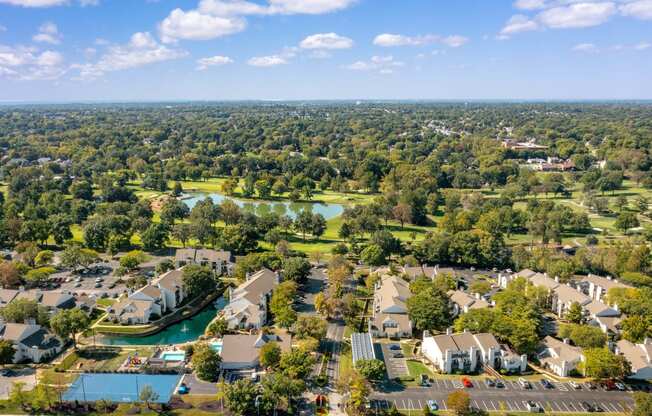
533, 407
575, 385
99, 280
524, 383
432, 405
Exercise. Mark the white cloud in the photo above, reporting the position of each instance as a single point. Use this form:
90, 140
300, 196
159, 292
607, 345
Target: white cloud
381, 64
195, 25
28, 64
48, 33
640, 9
216, 18
388, 40
530, 4
46, 3
267, 61
585, 47
577, 15
326, 41
641, 46
141, 50
218, 60
517, 24
455, 41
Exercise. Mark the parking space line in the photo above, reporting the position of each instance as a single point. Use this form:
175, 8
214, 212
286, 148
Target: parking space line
509, 405
573, 406
553, 405
420, 405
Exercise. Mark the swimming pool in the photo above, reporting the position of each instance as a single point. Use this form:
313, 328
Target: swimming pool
173, 355
217, 346
120, 388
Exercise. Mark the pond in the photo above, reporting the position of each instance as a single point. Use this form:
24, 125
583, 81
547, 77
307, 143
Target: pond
291, 209
184, 331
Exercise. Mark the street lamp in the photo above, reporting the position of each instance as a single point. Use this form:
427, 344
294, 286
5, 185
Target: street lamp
257, 403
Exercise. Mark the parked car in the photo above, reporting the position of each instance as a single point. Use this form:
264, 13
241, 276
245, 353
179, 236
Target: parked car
424, 380
533, 407
489, 382
591, 386
547, 384
394, 347
7, 372
98, 285
621, 386
467, 383
183, 389
499, 384
399, 355
98, 280
609, 385
575, 385
587, 407
524, 383
432, 405
78, 284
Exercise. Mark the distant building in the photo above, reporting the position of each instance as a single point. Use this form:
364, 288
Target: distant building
221, 262
390, 313
598, 286
530, 145
639, 356
32, 342
559, 357
242, 352
362, 347
247, 306
463, 302
467, 353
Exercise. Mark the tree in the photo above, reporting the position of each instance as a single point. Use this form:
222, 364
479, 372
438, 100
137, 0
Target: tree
68, 322
206, 362
240, 397
373, 255
318, 225
75, 256
296, 269
402, 213
7, 352
217, 328
239, 238
643, 404
430, 309
279, 391
309, 327
583, 335
280, 305
575, 313
625, 221
372, 370
60, 227
459, 402
197, 280
21, 310
155, 237
601, 363
303, 223
133, 259
9, 275
148, 395
270, 355
296, 364
182, 232
356, 387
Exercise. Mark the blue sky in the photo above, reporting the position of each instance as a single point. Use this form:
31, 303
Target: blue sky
135, 50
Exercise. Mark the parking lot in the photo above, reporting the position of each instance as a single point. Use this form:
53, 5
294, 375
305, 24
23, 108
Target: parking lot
25, 375
396, 367
562, 398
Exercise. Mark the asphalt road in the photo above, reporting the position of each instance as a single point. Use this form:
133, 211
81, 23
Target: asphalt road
561, 399
334, 336
313, 285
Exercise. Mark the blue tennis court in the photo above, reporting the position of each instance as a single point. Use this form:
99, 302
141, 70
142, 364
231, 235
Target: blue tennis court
120, 388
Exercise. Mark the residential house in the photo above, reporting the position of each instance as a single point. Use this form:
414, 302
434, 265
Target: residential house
52, 300
390, 313
639, 356
242, 352
163, 295
428, 271
247, 307
599, 286
220, 262
564, 296
505, 279
32, 342
467, 353
559, 357
463, 302
129, 311
6, 296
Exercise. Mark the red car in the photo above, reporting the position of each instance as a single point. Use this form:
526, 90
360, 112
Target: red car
467, 383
